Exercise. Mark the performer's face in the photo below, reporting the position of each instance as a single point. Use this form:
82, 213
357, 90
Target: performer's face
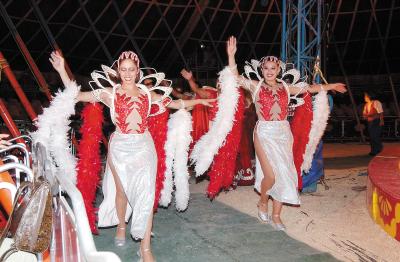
270, 70
127, 71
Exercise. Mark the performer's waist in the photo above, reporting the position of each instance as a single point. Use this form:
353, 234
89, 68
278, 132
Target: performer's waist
130, 136
273, 122
273, 126
116, 132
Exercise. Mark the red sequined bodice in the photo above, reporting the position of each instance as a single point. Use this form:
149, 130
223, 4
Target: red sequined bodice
131, 113
272, 105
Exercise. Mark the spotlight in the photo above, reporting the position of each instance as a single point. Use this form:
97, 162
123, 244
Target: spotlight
202, 46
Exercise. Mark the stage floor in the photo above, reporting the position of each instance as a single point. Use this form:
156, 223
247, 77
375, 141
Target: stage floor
212, 231
334, 221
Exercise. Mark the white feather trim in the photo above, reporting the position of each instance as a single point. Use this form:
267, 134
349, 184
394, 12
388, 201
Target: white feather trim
53, 127
169, 147
181, 172
207, 147
320, 119
176, 150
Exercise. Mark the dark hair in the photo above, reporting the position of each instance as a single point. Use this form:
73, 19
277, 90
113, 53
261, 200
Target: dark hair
372, 95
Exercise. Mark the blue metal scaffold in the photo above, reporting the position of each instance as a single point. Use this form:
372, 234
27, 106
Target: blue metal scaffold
301, 45
301, 33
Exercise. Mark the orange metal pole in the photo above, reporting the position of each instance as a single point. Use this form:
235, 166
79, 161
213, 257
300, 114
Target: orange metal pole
12, 127
38, 75
18, 89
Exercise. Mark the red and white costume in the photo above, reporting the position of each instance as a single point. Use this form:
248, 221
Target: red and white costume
275, 137
132, 158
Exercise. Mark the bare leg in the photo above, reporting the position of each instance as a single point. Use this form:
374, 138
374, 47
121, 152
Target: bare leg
276, 212
269, 177
121, 202
145, 245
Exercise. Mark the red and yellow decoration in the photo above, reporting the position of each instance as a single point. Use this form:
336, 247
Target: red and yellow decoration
383, 196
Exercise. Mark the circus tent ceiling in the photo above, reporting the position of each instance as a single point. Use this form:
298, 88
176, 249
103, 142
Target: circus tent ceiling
172, 34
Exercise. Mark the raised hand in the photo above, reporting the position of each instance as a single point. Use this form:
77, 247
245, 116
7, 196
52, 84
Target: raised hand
57, 61
187, 74
231, 46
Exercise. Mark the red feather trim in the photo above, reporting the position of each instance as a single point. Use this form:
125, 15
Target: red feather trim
89, 162
301, 126
158, 128
222, 171
244, 166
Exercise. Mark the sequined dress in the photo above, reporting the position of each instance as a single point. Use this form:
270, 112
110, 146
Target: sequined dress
275, 137
132, 158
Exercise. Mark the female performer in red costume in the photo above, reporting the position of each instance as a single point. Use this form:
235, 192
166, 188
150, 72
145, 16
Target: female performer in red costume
201, 115
222, 169
129, 180
276, 174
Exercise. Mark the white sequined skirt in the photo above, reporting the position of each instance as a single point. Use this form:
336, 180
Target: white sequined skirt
277, 141
135, 161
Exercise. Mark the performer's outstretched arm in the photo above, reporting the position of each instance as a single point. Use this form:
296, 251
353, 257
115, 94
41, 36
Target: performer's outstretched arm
180, 104
59, 65
315, 88
188, 75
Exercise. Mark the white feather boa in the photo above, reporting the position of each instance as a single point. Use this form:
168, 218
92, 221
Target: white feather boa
53, 127
176, 151
318, 125
207, 147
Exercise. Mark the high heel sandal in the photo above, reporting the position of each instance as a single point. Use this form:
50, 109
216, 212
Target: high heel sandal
263, 216
139, 253
278, 226
120, 241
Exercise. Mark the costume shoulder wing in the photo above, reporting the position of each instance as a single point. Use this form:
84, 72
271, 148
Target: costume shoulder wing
161, 86
102, 83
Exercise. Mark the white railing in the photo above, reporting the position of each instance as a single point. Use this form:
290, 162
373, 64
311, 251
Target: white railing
72, 238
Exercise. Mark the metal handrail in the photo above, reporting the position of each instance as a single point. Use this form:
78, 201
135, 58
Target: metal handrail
26, 137
14, 159
27, 161
25, 169
82, 224
86, 242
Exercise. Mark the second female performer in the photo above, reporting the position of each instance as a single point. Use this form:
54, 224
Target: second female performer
276, 174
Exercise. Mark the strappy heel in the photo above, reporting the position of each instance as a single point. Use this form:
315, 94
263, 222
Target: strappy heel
278, 226
263, 216
120, 241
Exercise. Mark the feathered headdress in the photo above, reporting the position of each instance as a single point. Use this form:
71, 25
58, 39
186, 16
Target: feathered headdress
106, 78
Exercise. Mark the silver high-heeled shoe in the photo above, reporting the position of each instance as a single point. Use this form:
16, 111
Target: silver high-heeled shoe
120, 241
278, 226
263, 216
